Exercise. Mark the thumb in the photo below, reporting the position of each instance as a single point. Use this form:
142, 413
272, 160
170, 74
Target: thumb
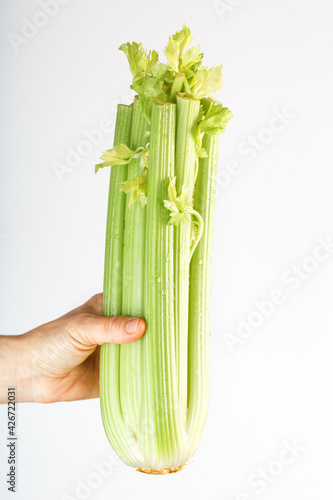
89, 329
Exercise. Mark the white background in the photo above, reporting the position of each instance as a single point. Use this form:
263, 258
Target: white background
276, 385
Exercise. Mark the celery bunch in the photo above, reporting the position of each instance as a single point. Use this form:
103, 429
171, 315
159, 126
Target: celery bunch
154, 392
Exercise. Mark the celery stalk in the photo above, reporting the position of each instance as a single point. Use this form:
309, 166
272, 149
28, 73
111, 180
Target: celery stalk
112, 297
177, 85
133, 279
199, 295
185, 168
162, 437
115, 220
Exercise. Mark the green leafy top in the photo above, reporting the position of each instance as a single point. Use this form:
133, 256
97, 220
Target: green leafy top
215, 117
176, 47
141, 62
183, 74
152, 78
147, 87
213, 120
205, 81
136, 55
147, 73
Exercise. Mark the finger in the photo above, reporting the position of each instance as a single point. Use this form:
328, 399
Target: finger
91, 330
93, 306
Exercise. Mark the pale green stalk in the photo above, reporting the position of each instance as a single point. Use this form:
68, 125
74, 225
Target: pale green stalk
177, 85
185, 166
112, 417
115, 220
162, 437
133, 280
199, 295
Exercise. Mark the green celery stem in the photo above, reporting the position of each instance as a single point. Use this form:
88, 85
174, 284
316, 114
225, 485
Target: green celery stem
177, 85
187, 119
199, 295
112, 417
133, 280
162, 436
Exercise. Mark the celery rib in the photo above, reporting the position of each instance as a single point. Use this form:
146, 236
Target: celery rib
185, 163
160, 413
133, 280
199, 295
112, 299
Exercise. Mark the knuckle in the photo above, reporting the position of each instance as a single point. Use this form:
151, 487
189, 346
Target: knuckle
115, 324
78, 328
78, 324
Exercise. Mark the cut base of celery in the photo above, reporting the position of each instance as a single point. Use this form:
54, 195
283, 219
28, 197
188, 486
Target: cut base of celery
167, 470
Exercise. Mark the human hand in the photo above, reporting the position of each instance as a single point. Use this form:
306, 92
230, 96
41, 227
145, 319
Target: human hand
59, 361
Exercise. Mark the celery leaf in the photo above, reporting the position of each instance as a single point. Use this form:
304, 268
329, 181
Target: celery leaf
191, 60
215, 120
147, 87
180, 206
137, 57
137, 188
206, 81
176, 46
118, 155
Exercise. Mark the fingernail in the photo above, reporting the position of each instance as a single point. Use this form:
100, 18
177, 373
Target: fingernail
131, 325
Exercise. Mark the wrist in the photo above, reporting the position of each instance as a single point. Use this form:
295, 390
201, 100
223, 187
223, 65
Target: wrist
17, 370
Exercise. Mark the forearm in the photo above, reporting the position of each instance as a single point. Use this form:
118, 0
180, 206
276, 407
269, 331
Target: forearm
16, 369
